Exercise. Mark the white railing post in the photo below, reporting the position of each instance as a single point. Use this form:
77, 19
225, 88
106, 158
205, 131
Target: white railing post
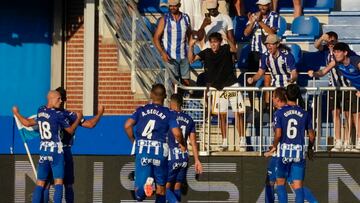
133, 51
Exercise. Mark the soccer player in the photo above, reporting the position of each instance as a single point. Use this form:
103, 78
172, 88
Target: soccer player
348, 65
152, 122
279, 101
51, 121
291, 122
178, 160
67, 140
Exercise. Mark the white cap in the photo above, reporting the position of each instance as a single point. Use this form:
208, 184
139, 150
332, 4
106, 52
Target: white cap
263, 2
173, 2
211, 4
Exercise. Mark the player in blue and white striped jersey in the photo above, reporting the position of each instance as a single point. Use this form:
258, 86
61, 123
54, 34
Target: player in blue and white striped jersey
51, 121
279, 61
152, 123
291, 122
279, 101
178, 160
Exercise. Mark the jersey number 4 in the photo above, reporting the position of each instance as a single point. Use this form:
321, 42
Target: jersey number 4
44, 128
147, 132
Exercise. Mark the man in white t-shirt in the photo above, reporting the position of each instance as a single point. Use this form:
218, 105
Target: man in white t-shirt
215, 22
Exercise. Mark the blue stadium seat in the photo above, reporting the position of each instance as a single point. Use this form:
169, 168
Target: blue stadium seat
304, 28
243, 55
151, 6
282, 27
296, 52
309, 6
239, 23
197, 64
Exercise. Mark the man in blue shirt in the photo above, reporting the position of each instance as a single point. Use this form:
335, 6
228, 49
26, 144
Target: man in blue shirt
279, 101
152, 122
291, 122
51, 121
348, 65
67, 141
178, 160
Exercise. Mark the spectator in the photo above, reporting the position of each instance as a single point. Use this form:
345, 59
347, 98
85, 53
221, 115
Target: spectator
278, 61
170, 39
239, 8
215, 22
349, 66
218, 64
193, 9
297, 7
326, 43
260, 24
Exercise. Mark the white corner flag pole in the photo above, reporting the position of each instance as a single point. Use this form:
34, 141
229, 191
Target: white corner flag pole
30, 159
27, 150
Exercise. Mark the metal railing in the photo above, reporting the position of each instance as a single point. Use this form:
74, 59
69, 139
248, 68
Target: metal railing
134, 41
257, 121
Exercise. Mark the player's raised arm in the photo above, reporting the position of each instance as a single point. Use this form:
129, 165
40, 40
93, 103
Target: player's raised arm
73, 126
198, 165
25, 121
91, 123
128, 126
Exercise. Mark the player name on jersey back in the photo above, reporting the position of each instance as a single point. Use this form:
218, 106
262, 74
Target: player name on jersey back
293, 112
154, 112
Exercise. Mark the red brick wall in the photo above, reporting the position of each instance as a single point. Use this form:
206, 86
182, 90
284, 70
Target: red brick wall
74, 54
114, 90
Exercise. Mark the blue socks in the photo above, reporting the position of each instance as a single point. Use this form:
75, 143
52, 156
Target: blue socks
178, 194
299, 195
58, 193
69, 194
282, 194
269, 194
37, 194
309, 196
170, 196
46, 195
160, 198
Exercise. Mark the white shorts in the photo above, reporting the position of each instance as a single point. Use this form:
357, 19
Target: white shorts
221, 100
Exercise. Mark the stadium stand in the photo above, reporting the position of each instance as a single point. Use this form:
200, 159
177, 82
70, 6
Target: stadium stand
309, 6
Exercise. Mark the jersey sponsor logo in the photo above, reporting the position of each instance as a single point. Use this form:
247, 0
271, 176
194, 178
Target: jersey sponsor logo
42, 159
146, 161
178, 165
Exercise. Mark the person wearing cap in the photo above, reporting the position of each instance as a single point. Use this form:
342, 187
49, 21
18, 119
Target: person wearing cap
214, 21
297, 7
171, 39
279, 61
260, 25
348, 64
67, 141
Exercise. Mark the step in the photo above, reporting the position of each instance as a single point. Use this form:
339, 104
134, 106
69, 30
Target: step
344, 18
350, 5
344, 31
